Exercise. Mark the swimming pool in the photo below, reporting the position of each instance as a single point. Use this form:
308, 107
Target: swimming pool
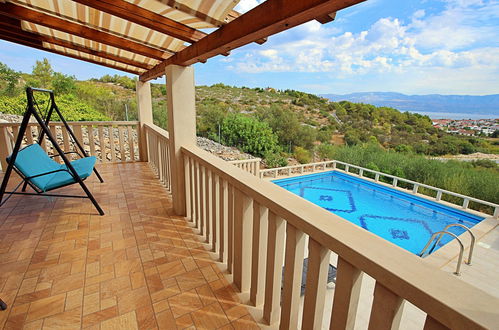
401, 218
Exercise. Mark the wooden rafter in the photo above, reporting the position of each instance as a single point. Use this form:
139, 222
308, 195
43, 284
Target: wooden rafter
270, 17
193, 12
146, 18
8, 36
26, 14
14, 26
326, 18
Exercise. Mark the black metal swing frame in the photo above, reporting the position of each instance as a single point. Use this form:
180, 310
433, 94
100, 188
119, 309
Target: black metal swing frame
45, 131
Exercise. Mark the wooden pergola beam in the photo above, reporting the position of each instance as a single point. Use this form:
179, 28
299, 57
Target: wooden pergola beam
12, 37
13, 25
326, 18
95, 52
269, 18
195, 13
36, 17
144, 17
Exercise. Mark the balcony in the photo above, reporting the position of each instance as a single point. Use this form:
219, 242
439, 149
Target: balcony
187, 239
142, 266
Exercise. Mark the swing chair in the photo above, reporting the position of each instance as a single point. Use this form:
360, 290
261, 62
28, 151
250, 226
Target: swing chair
39, 170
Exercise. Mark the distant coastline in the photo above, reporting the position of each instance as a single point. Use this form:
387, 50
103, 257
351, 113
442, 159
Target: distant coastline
452, 115
435, 106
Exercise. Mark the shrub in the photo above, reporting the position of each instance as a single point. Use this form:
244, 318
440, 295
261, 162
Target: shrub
248, 134
275, 159
302, 155
71, 108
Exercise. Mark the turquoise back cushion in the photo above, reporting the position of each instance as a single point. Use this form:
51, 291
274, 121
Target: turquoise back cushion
33, 160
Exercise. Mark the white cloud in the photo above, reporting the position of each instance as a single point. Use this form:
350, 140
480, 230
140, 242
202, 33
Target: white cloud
246, 5
458, 42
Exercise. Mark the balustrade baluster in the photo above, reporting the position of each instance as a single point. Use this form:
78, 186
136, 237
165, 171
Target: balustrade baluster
293, 268
273, 273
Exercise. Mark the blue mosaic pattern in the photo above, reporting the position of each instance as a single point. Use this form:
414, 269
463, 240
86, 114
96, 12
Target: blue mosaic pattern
401, 218
399, 234
318, 196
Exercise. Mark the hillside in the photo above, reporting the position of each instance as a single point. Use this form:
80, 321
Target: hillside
463, 105
267, 123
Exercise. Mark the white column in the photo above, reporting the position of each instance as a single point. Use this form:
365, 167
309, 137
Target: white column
181, 126
144, 109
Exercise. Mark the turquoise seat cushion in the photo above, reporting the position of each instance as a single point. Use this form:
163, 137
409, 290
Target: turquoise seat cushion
83, 166
32, 160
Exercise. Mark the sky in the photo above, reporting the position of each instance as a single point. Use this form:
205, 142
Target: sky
409, 46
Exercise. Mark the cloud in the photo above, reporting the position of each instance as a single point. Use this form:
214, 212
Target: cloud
246, 5
458, 40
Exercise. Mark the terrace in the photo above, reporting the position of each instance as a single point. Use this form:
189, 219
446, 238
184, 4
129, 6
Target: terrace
189, 239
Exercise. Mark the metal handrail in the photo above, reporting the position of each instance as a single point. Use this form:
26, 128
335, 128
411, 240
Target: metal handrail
461, 248
473, 239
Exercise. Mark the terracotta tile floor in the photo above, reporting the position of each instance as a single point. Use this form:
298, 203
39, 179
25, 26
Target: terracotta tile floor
62, 266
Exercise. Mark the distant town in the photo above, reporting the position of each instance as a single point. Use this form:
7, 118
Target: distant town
468, 127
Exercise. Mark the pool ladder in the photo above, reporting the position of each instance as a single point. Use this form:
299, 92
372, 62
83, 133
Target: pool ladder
440, 234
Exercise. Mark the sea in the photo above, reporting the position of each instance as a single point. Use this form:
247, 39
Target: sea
454, 115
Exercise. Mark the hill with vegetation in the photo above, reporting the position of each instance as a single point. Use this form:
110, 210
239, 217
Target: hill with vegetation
279, 125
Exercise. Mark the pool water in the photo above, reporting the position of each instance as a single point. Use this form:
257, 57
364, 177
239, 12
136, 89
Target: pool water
401, 218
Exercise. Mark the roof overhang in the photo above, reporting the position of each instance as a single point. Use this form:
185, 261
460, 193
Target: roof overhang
144, 36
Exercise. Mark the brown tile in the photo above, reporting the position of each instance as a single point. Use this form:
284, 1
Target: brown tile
130, 300
74, 299
138, 280
126, 321
245, 323
209, 317
99, 316
68, 283
190, 280
184, 303
154, 283
33, 325
171, 269
236, 312
115, 286
206, 295
161, 306
184, 321
46, 307
91, 303
145, 317
67, 320
166, 321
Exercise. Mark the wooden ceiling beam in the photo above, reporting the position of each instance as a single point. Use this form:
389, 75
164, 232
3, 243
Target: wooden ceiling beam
36, 17
270, 17
193, 12
12, 25
146, 18
95, 52
17, 40
326, 18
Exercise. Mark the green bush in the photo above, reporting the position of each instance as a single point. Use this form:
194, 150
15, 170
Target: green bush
248, 134
71, 108
275, 159
302, 155
461, 177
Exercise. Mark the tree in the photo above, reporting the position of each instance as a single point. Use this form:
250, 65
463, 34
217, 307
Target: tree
63, 84
43, 72
8, 80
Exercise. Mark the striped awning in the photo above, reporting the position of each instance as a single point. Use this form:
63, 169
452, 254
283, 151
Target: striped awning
128, 35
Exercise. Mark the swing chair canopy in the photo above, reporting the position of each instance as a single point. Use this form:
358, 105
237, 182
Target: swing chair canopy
45, 173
